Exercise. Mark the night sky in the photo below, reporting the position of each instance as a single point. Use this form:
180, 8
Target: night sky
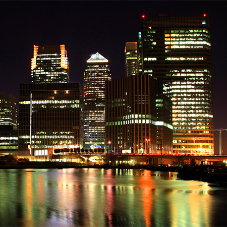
89, 27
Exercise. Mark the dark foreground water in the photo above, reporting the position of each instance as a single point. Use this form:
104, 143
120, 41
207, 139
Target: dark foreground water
98, 197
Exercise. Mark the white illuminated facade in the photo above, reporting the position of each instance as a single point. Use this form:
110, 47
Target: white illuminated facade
178, 50
97, 72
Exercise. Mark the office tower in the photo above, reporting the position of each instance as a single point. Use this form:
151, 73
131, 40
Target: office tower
8, 109
131, 59
50, 118
8, 124
50, 64
164, 136
97, 72
50, 108
8, 139
131, 121
178, 50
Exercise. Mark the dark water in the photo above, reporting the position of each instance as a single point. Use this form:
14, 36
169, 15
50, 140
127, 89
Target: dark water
98, 197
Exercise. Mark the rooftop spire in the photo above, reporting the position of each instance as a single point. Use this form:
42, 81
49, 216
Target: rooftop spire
97, 58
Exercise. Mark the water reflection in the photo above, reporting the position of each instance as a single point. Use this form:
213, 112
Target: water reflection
98, 197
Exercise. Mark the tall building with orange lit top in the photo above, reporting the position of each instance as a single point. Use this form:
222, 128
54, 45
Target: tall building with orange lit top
50, 64
50, 108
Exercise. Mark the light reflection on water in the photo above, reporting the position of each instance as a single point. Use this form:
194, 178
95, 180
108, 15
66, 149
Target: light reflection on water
98, 197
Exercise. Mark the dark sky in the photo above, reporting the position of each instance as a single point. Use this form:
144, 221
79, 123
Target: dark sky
89, 27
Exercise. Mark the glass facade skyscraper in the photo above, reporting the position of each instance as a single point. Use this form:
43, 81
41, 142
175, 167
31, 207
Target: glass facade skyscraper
137, 121
131, 59
50, 64
8, 124
50, 108
97, 72
50, 118
8, 109
178, 50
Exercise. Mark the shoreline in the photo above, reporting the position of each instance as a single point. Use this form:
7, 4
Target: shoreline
67, 166
54, 165
210, 174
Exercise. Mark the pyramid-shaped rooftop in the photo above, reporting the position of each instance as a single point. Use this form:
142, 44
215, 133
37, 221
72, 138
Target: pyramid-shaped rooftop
97, 58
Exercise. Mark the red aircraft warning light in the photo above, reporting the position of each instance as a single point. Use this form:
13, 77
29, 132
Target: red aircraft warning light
204, 15
143, 16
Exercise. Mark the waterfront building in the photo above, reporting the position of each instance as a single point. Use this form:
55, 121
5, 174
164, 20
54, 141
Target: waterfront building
50, 108
8, 124
8, 139
8, 109
163, 104
178, 50
132, 125
97, 72
131, 59
49, 64
50, 118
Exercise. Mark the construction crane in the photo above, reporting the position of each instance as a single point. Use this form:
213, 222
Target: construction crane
220, 139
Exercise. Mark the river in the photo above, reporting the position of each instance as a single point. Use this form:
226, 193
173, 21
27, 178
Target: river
107, 197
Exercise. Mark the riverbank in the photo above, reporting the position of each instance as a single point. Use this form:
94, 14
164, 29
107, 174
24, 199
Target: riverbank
208, 173
61, 165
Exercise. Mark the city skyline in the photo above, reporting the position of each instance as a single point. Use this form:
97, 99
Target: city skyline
89, 32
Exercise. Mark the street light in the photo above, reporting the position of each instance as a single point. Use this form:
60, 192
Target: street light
161, 155
109, 142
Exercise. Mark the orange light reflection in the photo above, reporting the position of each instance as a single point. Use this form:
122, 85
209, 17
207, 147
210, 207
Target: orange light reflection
146, 182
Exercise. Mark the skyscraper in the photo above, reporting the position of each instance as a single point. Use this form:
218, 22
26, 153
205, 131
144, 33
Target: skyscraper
50, 64
50, 108
137, 121
50, 117
97, 72
8, 124
178, 50
8, 109
131, 59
